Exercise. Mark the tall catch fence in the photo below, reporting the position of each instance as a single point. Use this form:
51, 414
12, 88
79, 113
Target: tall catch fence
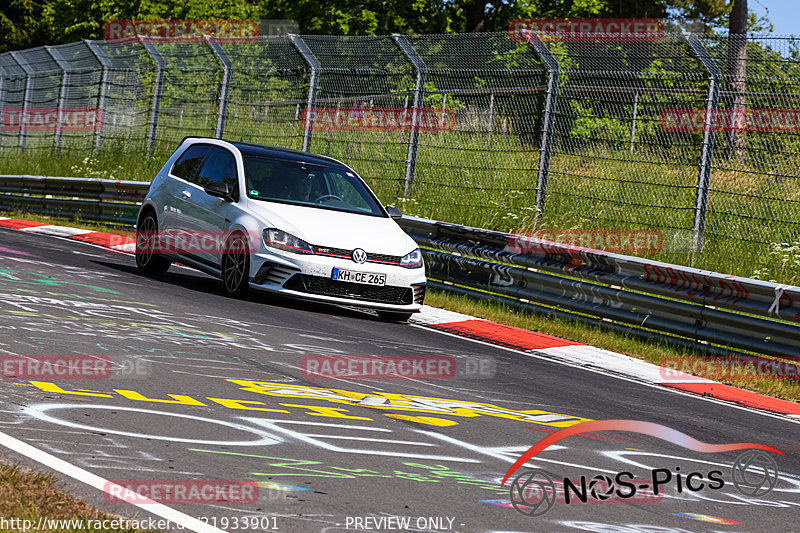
545, 133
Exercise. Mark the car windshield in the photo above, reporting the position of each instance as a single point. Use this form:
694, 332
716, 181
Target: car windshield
308, 184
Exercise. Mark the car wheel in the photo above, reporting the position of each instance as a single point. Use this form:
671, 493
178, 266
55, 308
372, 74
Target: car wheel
392, 316
236, 266
148, 261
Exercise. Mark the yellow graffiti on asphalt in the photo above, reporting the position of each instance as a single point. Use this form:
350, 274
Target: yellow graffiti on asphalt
375, 400
405, 402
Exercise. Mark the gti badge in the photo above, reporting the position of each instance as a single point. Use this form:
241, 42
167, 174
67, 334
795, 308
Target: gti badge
359, 255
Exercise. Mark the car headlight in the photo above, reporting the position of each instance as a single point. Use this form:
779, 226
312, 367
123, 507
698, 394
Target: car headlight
281, 240
412, 260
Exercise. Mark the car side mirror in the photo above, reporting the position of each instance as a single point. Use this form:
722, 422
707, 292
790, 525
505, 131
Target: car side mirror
219, 189
394, 212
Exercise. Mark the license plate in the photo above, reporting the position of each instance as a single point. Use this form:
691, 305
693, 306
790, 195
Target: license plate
367, 278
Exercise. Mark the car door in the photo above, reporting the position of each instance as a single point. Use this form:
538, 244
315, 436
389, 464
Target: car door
178, 186
209, 216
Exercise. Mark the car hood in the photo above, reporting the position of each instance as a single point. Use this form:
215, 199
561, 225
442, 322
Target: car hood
336, 229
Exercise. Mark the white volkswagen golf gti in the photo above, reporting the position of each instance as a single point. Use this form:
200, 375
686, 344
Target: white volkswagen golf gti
282, 221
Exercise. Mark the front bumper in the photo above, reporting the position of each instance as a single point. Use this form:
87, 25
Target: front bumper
309, 277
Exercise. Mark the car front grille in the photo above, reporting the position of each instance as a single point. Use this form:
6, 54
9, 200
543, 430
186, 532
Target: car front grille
355, 291
333, 252
371, 258
383, 258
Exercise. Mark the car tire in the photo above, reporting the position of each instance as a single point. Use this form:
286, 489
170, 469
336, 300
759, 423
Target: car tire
147, 260
393, 316
236, 266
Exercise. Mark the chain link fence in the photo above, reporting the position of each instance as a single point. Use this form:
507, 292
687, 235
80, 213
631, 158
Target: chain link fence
546, 133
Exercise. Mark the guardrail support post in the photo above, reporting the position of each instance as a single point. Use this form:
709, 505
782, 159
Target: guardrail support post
102, 97
419, 94
707, 147
224, 87
2, 100
26, 99
548, 119
62, 95
157, 84
313, 83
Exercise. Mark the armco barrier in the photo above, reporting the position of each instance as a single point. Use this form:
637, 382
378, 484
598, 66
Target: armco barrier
682, 305
92, 199
677, 304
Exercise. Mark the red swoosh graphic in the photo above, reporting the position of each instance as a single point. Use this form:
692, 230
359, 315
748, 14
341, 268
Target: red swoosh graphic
635, 426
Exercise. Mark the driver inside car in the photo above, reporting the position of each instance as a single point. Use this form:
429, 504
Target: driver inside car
296, 186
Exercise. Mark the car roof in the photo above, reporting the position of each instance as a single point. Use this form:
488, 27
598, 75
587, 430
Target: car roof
260, 150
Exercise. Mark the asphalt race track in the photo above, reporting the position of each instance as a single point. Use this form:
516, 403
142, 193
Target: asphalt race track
206, 387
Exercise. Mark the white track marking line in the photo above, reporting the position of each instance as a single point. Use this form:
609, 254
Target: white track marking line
433, 315
591, 356
187, 522
58, 231
129, 247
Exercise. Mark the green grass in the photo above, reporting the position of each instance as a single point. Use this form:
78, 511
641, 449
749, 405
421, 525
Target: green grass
32, 496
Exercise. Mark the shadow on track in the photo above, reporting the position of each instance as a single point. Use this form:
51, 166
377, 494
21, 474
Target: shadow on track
203, 283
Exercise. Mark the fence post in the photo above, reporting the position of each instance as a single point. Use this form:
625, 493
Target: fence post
419, 94
102, 97
313, 82
224, 87
633, 118
26, 99
548, 119
491, 111
707, 147
155, 55
62, 94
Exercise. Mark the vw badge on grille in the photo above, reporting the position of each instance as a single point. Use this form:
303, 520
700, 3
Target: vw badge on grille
359, 255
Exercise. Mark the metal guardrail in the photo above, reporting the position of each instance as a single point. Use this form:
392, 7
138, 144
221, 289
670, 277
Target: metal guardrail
681, 305
676, 304
110, 201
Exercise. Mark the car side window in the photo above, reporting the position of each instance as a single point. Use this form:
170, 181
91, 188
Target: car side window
187, 164
220, 165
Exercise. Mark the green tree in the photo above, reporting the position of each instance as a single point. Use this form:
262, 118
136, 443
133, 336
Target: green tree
737, 72
21, 25
28, 23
